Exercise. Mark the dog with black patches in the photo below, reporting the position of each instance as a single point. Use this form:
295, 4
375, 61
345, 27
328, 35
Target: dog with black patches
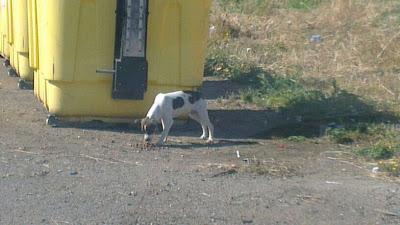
168, 106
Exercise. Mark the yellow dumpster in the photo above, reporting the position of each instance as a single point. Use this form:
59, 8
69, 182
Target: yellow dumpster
4, 45
109, 58
18, 38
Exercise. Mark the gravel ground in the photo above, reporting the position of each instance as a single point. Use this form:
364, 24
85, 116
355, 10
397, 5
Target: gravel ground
99, 175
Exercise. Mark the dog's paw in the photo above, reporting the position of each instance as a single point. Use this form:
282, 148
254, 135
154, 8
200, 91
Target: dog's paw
210, 141
203, 137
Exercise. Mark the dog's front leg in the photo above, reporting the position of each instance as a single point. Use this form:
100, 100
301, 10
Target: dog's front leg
167, 124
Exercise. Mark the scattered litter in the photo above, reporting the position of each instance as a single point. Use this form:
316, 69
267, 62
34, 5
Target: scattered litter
238, 154
308, 198
375, 169
247, 221
332, 182
205, 194
282, 146
73, 173
316, 38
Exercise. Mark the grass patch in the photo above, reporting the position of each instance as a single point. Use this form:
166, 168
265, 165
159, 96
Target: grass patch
304, 4
298, 139
359, 50
362, 131
266, 169
305, 97
264, 6
379, 151
343, 136
392, 167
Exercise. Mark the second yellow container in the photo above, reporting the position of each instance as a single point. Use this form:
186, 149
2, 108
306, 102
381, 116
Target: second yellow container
4, 44
17, 13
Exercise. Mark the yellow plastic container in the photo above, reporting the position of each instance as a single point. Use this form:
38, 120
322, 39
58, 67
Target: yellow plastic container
4, 45
71, 39
18, 38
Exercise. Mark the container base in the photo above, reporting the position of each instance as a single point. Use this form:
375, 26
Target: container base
25, 85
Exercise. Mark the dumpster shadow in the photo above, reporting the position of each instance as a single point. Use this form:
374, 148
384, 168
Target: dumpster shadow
307, 117
234, 124
99, 125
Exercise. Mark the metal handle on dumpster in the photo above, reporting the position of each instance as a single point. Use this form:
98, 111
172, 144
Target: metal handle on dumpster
105, 71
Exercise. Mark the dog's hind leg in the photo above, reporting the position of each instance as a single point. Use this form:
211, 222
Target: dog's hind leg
203, 115
195, 116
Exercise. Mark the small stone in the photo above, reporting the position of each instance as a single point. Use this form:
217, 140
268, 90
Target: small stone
73, 173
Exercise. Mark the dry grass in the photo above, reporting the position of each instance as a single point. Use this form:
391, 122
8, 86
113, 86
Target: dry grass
360, 47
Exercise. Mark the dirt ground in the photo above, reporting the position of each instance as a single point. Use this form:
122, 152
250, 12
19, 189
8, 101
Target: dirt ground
97, 175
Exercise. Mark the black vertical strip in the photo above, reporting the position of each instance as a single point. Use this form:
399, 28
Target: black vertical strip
120, 15
145, 45
131, 73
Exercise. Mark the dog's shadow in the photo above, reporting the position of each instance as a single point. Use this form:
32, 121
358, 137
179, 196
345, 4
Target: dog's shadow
216, 144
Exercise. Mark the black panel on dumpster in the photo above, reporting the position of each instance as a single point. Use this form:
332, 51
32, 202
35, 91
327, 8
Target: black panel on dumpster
131, 68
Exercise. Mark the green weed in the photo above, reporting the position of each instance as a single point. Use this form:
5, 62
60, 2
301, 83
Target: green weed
297, 138
304, 4
392, 167
343, 136
379, 151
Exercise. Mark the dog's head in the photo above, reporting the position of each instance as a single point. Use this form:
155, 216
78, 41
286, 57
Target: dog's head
149, 127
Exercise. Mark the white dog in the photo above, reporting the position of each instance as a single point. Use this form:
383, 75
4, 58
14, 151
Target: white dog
168, 106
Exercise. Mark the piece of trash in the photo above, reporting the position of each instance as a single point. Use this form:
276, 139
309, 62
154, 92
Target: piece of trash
247, 221
238, 154
205, 194
316, 38
282, 146
332, 182
375, 169
73, 173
